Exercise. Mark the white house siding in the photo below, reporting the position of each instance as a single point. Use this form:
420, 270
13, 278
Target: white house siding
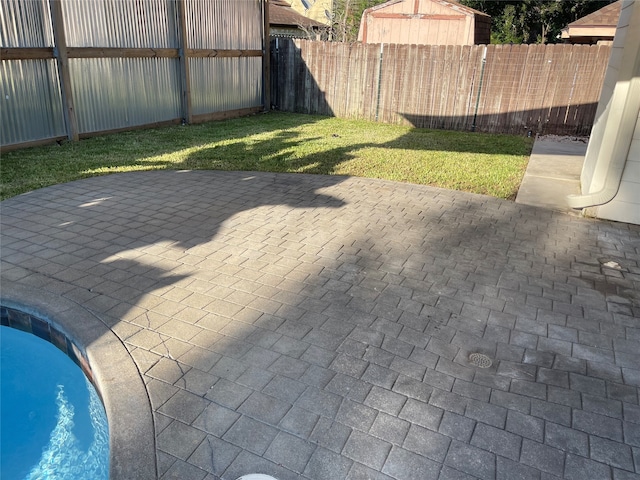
590, 181
625, 206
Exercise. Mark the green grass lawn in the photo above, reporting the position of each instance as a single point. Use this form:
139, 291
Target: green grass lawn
284, 142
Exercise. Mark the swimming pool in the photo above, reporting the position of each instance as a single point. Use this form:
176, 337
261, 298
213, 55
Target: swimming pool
53, 424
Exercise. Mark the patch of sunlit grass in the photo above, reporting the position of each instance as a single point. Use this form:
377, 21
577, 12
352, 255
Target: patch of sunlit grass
282, 142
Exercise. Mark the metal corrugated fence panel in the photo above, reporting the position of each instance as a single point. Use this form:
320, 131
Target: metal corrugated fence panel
112, 93
25, 24
224, 24
31, 101
121, 23
219, 84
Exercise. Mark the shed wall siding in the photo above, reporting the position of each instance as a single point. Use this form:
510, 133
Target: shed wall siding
420, 31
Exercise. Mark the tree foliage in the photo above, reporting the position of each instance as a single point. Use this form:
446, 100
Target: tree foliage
532, 21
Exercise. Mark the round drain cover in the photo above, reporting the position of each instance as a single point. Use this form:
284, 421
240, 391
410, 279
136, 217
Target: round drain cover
480, 360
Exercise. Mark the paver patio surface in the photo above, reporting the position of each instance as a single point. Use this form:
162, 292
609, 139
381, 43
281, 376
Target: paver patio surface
320, 327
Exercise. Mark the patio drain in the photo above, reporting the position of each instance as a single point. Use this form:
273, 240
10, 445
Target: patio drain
256, 476
480, 360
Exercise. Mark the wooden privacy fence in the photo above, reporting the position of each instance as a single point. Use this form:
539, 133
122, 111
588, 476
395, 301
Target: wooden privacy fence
70, 69
546, 89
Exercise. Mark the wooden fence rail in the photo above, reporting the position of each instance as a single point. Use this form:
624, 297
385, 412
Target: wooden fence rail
546, 89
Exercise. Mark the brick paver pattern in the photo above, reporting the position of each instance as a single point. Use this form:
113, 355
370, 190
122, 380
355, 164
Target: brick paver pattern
320, 327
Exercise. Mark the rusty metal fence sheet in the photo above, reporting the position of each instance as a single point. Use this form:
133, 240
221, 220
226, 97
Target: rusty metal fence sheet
31, 101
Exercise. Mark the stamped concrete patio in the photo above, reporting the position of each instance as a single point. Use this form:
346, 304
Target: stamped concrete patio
315, 327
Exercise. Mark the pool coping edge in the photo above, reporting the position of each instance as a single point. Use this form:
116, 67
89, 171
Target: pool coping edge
132, 449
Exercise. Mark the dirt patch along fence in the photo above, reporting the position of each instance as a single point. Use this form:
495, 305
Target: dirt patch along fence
546, 89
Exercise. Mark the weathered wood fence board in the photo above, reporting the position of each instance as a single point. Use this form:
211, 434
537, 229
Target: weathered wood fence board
550, 89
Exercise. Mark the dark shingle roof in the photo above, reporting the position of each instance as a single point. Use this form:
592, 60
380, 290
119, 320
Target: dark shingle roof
605, 17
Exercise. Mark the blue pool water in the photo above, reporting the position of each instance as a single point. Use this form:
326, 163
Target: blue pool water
52, 423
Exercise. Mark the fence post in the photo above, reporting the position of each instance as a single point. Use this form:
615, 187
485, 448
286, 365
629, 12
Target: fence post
62, 58
277, 75
379, 80
184, 63
484, 62
266, 53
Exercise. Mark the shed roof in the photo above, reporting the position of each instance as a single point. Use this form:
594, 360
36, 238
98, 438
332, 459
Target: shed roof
461, 8
452, 4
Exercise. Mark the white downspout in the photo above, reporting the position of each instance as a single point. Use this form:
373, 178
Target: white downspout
615, 145
613, 140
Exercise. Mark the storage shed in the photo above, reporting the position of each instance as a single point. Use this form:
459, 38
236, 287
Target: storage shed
424, 22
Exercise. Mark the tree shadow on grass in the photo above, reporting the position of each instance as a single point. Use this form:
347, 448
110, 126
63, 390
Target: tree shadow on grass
327, 153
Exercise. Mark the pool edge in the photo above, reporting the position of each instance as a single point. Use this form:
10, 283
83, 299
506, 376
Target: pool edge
132, 450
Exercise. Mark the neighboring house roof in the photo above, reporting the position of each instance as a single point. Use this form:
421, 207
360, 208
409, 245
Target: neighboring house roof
600, 24
281, 14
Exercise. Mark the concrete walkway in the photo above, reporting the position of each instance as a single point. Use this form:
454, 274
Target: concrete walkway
553, 173
315, 327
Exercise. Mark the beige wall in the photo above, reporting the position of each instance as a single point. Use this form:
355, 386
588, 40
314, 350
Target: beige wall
316, 11
614, 147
